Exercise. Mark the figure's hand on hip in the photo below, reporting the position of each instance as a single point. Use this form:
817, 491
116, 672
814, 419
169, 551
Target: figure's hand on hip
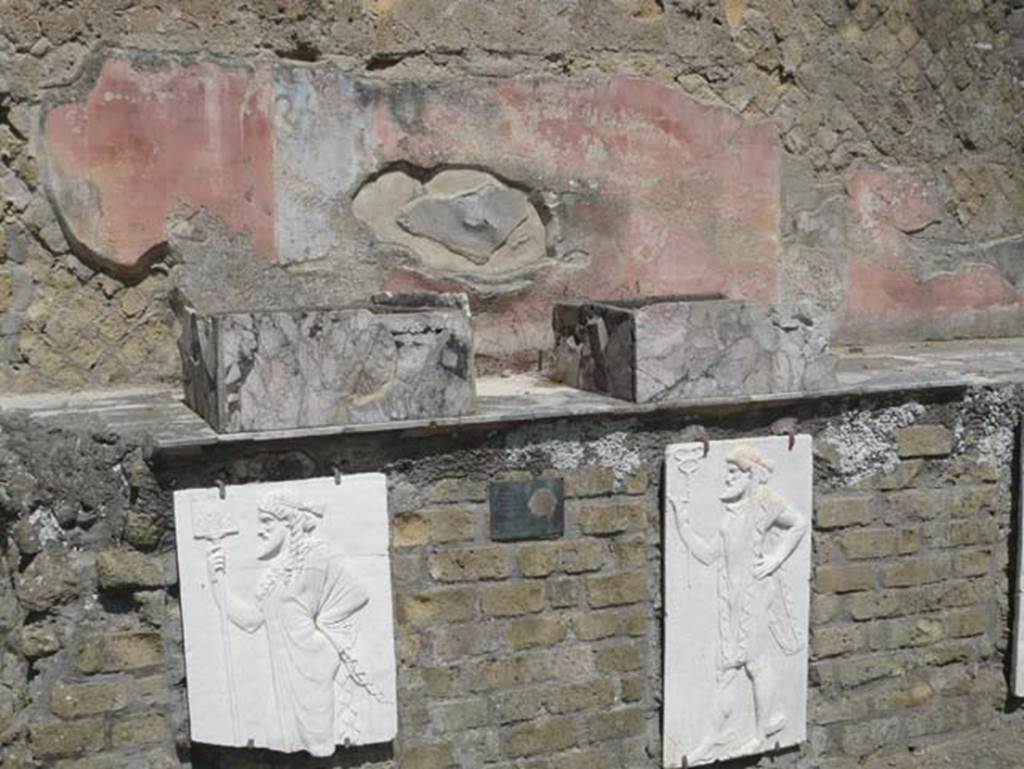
764, 566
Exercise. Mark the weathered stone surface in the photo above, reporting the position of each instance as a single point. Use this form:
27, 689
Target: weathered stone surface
474, 222
549, 186
908, 273
658, 349
7, 705
303, 368
50, 579
127, 569
142, 528
139, 142
36, 641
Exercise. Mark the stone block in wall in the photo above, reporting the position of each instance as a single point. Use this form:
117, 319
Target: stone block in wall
57, 738
127, 570
924, 441
114, 652
52, 578
396, 357
685, 347
71, 700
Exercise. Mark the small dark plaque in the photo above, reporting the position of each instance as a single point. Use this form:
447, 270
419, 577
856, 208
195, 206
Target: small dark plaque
527, 509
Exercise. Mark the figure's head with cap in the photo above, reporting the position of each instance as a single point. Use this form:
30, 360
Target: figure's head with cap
745, 469
282, 518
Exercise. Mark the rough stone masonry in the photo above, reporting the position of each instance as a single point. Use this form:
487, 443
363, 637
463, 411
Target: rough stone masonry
535, 654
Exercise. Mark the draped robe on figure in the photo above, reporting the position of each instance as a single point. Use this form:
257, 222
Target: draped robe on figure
310, 623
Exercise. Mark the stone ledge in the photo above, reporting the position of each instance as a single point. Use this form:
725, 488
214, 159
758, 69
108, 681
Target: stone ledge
159, 419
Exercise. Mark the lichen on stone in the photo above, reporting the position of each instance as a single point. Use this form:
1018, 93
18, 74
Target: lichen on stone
862, 443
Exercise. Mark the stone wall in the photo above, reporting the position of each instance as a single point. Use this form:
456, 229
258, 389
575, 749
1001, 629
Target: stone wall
865, 154
533, 654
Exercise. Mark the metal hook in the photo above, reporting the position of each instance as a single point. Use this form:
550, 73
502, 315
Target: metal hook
786, 426
222, 490
685, 764
702, 436
337, 475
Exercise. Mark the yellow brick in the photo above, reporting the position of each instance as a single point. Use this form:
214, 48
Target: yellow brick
511, 599
442, 605
536, 631
611, 517
470, 564
541, 736
844, 579
589, 482
538, 559
616, 590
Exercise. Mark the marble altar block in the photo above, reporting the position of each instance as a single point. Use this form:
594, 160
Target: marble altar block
670, 347
286, 602
398, 356
737, 590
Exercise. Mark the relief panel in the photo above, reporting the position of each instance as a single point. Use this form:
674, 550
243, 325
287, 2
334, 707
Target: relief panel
737, 581
1017, 653
286, 602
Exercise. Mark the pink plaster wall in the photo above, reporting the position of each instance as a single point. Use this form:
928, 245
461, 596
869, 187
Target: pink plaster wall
890, 290
149, 142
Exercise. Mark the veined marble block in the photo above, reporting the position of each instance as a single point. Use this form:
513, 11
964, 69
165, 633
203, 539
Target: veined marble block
737, 591
286, 602
282, 369
689, 347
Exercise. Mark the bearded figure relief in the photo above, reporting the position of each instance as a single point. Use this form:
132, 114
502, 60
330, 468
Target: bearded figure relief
294, 615
740, 572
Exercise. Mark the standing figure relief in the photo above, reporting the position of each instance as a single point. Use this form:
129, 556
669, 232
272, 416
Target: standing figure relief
758, 618
309, 607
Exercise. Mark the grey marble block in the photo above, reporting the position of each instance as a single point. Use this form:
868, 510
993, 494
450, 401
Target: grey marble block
682, 347
396, 357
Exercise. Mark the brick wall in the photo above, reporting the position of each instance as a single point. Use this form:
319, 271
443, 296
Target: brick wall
529, 649
909, 609
533, 654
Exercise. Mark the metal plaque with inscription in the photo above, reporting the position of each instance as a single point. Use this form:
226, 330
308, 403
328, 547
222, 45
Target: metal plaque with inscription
527, 509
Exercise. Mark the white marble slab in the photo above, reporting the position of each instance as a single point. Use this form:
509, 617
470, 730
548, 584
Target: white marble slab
1017, 663
737, 590
1017, 653
286, 602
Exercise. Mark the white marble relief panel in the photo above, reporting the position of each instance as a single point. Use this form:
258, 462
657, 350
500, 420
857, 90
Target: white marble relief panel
286, 602
1017, 654
737, 590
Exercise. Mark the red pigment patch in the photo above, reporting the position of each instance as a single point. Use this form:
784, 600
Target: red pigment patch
886, 294
146, 144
